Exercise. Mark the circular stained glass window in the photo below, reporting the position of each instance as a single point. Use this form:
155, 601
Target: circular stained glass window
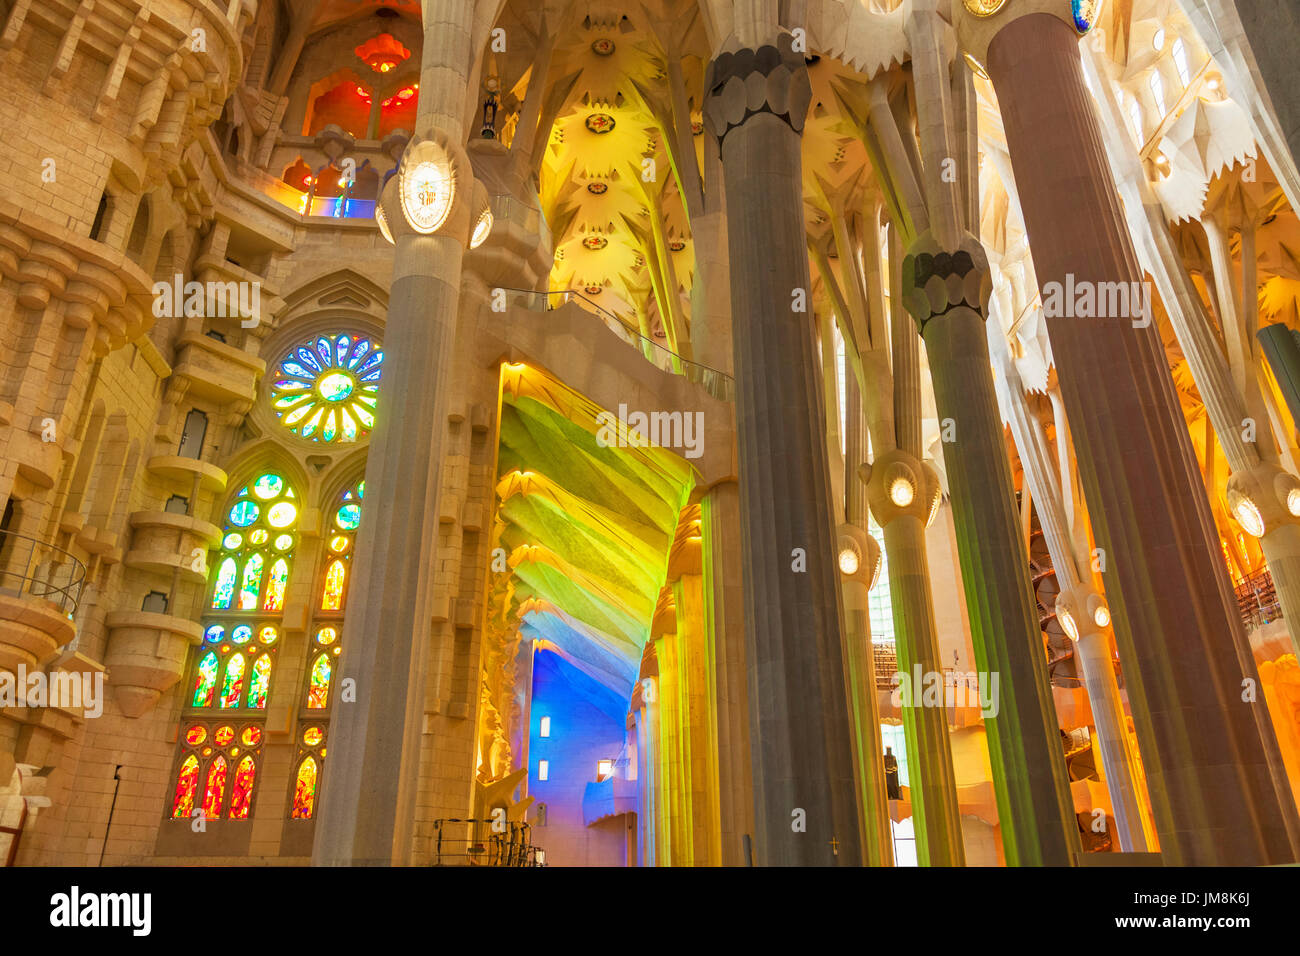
326, 636
242, 634
268, 486
283, 542
252, 736
338, 544
244, 513
281, 515
349, 517
195, 735
257, 537
223, 736
215, 633
268, 635
231, 541
325, 390
312, 736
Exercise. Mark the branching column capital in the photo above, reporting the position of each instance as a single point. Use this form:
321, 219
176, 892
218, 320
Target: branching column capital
936, 281
770, 79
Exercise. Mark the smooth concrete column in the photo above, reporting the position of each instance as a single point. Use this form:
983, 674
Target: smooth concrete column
367, 817
1214, 795
946, 291
805, 798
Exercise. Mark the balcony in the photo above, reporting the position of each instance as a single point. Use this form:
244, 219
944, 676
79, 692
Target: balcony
718, 384
40, 586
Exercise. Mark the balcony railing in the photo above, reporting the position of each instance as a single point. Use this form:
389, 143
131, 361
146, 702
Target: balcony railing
479, 843
31, 566
718, 384
1257, 599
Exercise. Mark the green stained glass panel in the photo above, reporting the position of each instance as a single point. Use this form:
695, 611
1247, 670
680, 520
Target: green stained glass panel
251, 586
224, 589
260, 682
206, 680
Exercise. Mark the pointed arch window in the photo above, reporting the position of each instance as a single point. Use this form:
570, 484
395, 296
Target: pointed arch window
342, 519
218, 767
233, 669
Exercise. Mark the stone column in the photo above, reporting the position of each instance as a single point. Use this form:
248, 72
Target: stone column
1215, 798
1282, 349
806, 806
855, 583
900, 493
946, 291
1092, 645
372, 772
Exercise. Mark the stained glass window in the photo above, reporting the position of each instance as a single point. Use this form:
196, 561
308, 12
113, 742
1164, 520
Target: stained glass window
304, 791
325, 390
205, 683
318, 687
186, 782
205, 779
241, 795
243, 557
311, 756
342, 519
234, 665
234, 682
216, 788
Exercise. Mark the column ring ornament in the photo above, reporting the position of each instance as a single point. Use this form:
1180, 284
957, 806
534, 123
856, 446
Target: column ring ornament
770, 79
936, 281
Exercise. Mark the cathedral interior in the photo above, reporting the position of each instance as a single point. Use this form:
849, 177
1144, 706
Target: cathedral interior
679, 433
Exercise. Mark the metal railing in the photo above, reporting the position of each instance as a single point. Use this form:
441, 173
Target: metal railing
1257, 599
31, 566
484, 845
718, 384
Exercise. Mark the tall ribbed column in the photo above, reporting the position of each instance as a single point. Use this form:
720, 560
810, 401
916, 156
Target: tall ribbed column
1214, 797
900, 506
1227, 383
724, 604
855, 584
371, 776
945, 291
805, 798
1092, 645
